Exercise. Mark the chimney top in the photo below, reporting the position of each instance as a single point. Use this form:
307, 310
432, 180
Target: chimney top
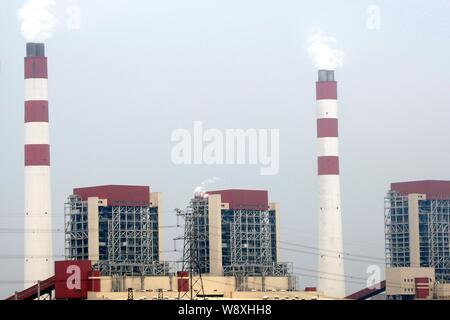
326, 75
35, 50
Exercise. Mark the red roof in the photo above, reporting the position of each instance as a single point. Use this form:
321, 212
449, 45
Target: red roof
244, 199
433, 189
117, 195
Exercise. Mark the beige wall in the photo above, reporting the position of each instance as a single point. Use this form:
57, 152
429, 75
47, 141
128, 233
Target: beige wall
109, 284
156, 200
443, 291
212, 285
215, 234
413, 222
93, 220
276, 207
400, 281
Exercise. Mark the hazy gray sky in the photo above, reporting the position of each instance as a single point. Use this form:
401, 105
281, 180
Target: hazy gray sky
137, 70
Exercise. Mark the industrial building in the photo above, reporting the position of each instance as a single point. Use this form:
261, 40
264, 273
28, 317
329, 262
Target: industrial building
237, 234
114, 240
117, 228
417, 225
78, 279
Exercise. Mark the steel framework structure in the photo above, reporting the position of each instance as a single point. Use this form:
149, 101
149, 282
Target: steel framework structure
434, 216
434, 234
75, 229
128, 237
195, 240
396, 230
251, 244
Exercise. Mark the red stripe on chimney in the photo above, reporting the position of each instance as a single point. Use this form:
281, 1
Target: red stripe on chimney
36, 68
327, 128
37, 155
328, 165
36, 111
326, 90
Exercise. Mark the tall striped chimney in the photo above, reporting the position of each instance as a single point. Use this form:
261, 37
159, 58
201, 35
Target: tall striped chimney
38, 247
331, 263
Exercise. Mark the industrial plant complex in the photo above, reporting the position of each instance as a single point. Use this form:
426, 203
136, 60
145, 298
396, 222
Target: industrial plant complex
114, 243
230, 244
114, 247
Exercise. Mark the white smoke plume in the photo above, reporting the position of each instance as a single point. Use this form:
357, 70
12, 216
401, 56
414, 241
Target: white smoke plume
324, 53
37, 21
201, 189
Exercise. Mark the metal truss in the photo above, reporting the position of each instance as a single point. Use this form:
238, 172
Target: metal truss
436, 244
130, 234
131, 243
252, 247
194, 238
396, 230
75, 226
250, 240
434, 233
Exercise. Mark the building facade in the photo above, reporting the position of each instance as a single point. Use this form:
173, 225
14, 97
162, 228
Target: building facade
417, 228
117, 228
237, 234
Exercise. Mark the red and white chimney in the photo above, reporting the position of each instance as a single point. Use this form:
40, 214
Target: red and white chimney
38, 251
331, 264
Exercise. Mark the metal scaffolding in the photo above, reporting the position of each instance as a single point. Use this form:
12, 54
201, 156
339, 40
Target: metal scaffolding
250, 242
76, 231
128, 238
434, 234
396, 230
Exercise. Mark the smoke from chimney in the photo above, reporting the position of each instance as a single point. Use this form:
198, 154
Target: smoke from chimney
37, 22
322, 51
201, 189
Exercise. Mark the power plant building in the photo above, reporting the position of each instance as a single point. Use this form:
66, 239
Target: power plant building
117, 228
237, 233
417, 228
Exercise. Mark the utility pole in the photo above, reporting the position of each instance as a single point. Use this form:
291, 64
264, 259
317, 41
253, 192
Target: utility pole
39, 290
160, 294
130, 294
191, 239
